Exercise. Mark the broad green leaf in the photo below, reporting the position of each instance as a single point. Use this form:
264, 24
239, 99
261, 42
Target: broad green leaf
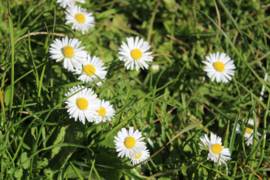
7, 95
60, 138
108, 165
49, 173
74, 135
23, 159
18, 173
44, 163
107, 142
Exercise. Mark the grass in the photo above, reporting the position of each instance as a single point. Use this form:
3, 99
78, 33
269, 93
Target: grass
173, 107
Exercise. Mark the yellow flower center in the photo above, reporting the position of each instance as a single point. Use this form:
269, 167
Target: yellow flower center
80, 18
130, 142
219, 66
216, 148
89, 69
136, 54
137, 156
68, 51
82, 103
102, 111
249, 130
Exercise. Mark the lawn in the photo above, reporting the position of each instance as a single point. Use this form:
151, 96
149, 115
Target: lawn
164, 86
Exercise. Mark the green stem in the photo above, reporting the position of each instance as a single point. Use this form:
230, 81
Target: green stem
152, 22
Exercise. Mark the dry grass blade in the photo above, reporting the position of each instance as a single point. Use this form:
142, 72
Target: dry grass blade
254, 172
169, 112
39, 33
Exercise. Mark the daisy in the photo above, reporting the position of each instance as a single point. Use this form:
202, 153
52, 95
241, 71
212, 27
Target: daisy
65, 3
215, 148
138, 158
134, 53
79, 18
219, 67
248, 131
105, 112
69, 51
92, 71
129, 142
83, 104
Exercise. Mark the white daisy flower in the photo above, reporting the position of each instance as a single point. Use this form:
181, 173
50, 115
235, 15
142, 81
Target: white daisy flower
219, 67
65, 3
105, 112
83, 104
248, 131
215, 148
134, 53
69, 51
138, 158
129, 142
92, 70
79, 18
